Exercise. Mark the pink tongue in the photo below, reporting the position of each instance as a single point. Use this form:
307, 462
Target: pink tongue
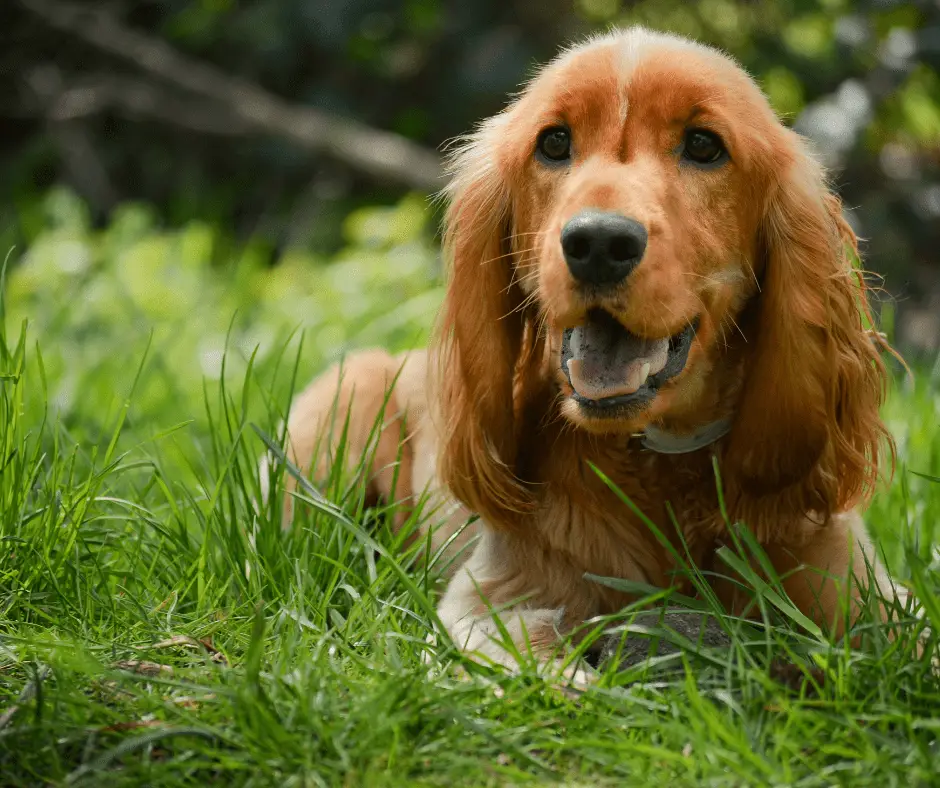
608, 361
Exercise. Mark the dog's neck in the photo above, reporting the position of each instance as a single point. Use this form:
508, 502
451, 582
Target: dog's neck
684, 436
663, 442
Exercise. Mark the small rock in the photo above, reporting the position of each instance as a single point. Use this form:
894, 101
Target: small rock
637, 647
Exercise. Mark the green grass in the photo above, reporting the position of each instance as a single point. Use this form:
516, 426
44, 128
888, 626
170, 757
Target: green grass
146, 639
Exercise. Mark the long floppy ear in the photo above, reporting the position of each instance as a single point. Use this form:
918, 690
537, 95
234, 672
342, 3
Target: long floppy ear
807, 436
480, 338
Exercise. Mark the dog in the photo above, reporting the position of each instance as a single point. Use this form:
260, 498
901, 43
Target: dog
649, 278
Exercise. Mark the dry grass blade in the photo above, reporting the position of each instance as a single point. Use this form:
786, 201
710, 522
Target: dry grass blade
132, 725
144, 667
189, 642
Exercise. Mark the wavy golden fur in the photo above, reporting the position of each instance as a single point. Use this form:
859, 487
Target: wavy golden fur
750, 250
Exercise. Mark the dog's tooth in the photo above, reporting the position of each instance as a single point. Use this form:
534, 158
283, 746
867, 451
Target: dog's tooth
644, 372
574, 343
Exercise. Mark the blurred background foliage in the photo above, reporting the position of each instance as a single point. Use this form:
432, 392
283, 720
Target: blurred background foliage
136, 298
191, 158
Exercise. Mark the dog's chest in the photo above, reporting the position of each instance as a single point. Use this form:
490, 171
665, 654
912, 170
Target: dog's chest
605, 521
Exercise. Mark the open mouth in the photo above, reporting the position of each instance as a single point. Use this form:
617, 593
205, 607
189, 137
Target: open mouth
611, 369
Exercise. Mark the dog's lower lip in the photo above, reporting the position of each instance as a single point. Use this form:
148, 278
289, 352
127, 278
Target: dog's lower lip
679, 345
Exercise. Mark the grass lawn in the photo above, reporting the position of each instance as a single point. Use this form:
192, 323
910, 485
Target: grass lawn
145, 639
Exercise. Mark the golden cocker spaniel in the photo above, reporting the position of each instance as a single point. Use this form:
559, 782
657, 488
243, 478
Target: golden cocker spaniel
648, 273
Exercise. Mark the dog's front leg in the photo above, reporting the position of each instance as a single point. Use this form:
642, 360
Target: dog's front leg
488, 616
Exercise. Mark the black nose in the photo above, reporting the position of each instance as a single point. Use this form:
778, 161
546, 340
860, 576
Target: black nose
602, 248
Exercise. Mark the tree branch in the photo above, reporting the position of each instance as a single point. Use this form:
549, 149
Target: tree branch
136, 98
87, 173
378, 153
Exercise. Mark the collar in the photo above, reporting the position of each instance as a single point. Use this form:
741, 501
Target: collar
663, 442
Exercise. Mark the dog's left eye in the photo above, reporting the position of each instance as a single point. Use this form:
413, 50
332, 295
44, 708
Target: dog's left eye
703, 147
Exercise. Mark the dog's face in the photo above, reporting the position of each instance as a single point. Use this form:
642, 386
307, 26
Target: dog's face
641, 215
636, 179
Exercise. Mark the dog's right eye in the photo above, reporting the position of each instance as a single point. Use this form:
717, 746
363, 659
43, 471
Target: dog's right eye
554, 144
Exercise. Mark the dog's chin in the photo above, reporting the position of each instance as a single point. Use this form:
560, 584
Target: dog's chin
624, 411
623, 422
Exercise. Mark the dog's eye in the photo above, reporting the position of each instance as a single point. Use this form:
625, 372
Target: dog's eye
554, 144
703, 147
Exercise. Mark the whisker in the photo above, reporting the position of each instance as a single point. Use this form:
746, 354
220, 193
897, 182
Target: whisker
530, 299
507, 254
707, 277
754, 277
724, 335
533, 232
513, 280
735, 324
671, 312
521, 307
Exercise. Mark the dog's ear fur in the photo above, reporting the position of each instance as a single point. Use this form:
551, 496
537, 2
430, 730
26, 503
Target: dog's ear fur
807, 436
480, 338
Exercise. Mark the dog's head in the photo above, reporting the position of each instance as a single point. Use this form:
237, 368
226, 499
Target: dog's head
640, 217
